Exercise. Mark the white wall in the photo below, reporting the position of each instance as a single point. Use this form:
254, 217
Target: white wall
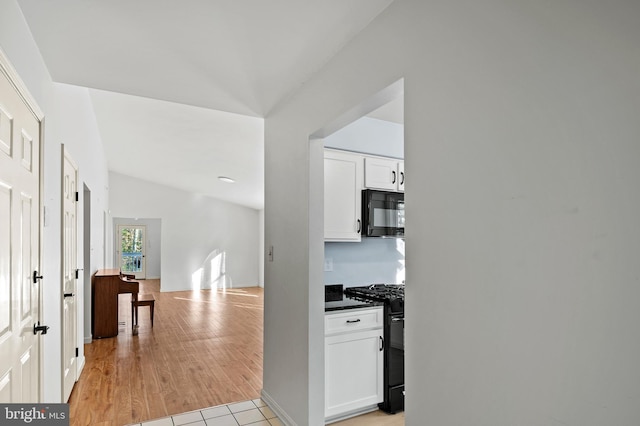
521, 138
193, 227
69, 120
73, 124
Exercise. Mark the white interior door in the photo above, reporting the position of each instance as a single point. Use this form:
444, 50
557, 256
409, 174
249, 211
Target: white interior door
20, 293
69, 273
132, 243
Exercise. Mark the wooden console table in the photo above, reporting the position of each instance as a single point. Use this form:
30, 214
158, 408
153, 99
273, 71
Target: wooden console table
106, 285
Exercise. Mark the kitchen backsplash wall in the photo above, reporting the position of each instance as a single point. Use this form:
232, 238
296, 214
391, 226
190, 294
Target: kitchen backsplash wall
373, 260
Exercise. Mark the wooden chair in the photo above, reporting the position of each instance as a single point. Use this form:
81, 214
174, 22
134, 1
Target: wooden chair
138, 300
143, 300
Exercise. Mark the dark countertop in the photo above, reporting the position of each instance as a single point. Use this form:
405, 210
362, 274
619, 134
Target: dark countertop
348, 303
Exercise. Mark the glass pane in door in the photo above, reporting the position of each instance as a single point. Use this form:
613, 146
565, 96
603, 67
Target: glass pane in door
131, 250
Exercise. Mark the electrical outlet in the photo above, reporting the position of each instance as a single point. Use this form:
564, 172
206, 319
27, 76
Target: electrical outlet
328, 264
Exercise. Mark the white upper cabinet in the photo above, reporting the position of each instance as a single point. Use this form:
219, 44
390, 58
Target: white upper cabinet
342, 196
384, 173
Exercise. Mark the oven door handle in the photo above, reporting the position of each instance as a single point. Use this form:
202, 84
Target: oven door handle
397, 319
381, 346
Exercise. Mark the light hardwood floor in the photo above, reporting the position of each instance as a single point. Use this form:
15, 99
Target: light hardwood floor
376, 418
204, 350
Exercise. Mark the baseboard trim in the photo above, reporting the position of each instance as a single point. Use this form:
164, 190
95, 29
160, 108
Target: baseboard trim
81, 363
350, 414
282, 415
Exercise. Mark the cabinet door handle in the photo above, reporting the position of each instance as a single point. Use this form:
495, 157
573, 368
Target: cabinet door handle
381, 343
358, 231
353, 321
401, 178
393, 174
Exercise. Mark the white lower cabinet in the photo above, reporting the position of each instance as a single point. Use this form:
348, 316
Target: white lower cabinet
353, 362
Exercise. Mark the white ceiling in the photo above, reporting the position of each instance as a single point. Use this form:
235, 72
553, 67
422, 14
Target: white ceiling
182, 86
183, 146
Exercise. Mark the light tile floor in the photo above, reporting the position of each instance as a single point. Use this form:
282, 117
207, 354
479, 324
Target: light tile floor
254, 412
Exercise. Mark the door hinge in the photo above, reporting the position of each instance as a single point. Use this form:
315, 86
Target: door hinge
77, 196
77, 352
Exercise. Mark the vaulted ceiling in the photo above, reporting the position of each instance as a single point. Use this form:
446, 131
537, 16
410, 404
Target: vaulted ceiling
179, 89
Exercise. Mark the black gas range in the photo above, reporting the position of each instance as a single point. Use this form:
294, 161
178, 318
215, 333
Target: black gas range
392, 296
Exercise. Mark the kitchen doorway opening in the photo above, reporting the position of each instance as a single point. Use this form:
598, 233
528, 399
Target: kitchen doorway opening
356, 131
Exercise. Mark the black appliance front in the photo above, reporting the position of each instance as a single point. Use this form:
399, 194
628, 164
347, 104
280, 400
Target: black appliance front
394, 362
382, 213
333, 292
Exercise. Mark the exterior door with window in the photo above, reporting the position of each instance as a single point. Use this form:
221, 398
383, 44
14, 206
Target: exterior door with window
131, 250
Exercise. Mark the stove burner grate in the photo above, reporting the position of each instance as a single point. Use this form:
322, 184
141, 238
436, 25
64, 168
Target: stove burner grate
378, 292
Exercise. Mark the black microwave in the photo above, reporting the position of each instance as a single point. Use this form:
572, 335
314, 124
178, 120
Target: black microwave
382, 213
